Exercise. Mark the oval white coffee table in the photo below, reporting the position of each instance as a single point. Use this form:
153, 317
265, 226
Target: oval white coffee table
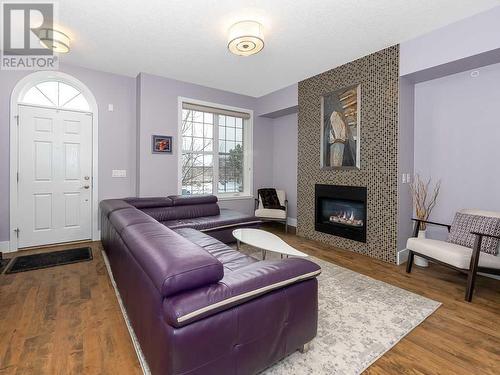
265, 241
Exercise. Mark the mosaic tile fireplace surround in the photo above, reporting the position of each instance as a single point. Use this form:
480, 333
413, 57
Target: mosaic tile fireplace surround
378, 75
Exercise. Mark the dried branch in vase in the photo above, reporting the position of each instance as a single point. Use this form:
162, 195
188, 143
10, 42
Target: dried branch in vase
424, 198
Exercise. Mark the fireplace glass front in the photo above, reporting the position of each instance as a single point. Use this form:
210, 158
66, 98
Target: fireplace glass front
341, 211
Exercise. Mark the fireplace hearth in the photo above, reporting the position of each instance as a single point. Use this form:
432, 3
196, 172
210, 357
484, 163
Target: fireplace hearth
341, 211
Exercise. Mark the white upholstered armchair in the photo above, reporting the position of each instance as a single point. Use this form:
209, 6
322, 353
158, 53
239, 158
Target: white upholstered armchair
273, 214
473, 245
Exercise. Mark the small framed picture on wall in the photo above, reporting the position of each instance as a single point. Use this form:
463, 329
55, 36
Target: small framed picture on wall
161, 144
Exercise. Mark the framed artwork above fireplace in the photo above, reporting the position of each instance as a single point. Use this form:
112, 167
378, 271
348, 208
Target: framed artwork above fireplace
340, 128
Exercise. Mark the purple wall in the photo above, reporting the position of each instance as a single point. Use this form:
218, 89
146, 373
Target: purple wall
158, 112
116, 133
457, 137
406, 159
151, 102
278, 103
285, 160
468, 37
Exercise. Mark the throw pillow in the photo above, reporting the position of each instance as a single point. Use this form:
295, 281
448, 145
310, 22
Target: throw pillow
464, 224
270, 199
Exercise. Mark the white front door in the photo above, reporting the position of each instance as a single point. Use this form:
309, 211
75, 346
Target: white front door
55, 180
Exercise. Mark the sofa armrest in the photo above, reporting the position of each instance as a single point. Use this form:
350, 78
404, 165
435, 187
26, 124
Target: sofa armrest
237, 288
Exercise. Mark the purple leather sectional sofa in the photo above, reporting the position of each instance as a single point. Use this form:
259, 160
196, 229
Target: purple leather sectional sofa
196, 305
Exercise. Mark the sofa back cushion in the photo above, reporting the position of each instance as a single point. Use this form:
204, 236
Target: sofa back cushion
185, 200
469, 221
172, 262
150, 202
126, 217
110, 205
182, 211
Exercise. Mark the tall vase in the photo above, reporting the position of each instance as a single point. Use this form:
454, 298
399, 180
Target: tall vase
419, 261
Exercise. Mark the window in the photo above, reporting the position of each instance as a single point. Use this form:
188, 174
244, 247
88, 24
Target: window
215, 151
56, 94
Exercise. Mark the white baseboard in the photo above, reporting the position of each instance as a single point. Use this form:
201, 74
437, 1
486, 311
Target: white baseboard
4, 246
292, 221
402, 256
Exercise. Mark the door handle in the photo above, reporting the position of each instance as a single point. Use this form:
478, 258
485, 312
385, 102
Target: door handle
86, 186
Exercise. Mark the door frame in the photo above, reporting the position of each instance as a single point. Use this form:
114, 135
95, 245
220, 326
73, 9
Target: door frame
17, 93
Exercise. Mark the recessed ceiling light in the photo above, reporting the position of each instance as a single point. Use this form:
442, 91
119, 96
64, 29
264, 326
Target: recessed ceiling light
245, 38
55, 40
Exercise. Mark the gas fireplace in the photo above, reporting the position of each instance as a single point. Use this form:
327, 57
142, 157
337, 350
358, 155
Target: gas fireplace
341, 211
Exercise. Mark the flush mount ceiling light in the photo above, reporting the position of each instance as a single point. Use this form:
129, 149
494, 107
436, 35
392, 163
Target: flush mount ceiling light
55, 40
245, 38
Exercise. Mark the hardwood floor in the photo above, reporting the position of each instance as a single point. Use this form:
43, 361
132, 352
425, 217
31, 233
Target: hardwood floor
66, 320
63, 320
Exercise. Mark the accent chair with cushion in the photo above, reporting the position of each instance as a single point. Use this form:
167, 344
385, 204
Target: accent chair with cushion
473, 245
272, 205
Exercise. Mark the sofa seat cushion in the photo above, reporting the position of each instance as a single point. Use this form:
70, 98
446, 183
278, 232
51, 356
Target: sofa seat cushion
225, 219
172, 262
230, 258
449, 253
269, 213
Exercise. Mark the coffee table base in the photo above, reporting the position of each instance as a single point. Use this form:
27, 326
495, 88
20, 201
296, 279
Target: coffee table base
264, 252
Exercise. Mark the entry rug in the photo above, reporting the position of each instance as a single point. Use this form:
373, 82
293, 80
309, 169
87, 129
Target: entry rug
51, 259
360, 319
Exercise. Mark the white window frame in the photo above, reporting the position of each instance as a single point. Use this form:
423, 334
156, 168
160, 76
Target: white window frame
247, 152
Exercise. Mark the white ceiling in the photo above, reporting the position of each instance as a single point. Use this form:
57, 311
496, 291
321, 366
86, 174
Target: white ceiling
186, 39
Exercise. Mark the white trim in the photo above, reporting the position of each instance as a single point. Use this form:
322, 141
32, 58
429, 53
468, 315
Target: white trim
402, 256
242, 296
17, 93
292, 221
4, 246
247, 136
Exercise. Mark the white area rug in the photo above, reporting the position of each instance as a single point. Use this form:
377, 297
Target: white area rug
360, 319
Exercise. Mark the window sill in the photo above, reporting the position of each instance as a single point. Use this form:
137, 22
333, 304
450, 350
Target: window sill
234, 197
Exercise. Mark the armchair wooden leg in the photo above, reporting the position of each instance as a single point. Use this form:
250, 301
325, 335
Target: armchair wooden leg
471, 280
409, 262
286, 226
